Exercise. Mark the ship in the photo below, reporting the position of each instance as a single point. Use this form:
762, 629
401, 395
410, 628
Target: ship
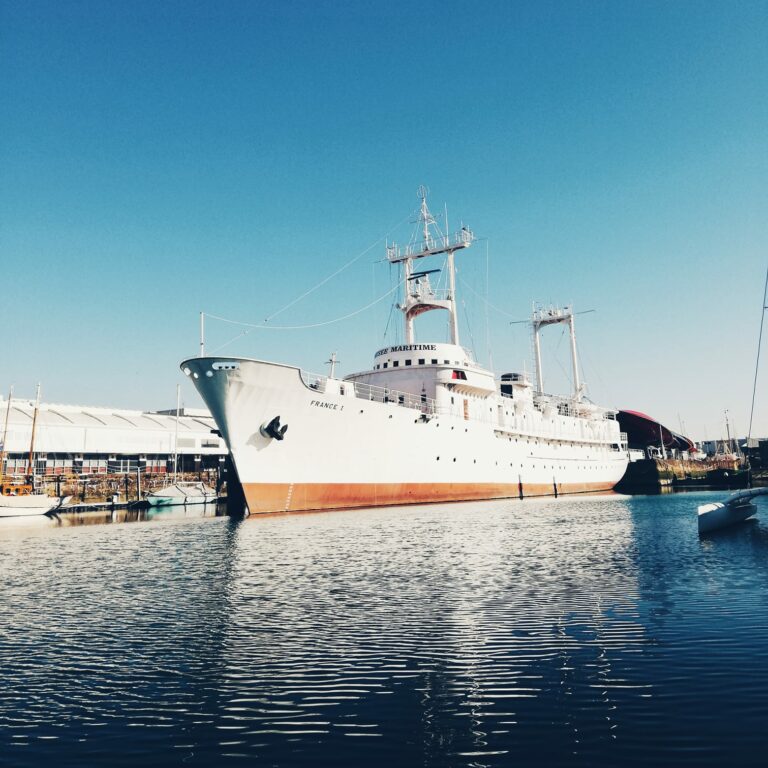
425, 423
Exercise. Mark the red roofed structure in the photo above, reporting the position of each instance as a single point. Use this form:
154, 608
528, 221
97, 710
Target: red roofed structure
643, 431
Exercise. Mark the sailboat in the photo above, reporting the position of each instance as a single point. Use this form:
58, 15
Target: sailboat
17, 496
179, 492
738, 506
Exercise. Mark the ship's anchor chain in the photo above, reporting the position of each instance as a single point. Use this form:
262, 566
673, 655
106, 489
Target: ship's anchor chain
273, 429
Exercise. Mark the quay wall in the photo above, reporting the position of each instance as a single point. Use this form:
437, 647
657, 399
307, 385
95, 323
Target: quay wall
649, 475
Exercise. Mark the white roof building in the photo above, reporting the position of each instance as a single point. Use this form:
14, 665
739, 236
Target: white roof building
74, 430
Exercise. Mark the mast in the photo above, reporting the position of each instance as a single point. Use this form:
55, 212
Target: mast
551, 316
3, 449
176, 438
419, 296
30, 463
574, 360
728, 432
452, 288
537, 358
332, 362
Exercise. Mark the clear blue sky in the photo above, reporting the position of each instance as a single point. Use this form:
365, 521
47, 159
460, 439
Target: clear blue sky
162, 158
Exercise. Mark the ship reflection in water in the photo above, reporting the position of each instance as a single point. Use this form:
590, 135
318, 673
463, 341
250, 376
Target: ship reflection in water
590, 631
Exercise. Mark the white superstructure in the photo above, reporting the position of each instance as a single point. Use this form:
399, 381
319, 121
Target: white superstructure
425, 423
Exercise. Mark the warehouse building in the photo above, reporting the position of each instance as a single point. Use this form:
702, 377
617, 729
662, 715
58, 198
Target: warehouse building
79, 440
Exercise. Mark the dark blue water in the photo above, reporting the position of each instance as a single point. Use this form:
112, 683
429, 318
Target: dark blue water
571, 632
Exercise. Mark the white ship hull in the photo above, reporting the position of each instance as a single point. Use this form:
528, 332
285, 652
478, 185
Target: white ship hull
344, 449
425, 423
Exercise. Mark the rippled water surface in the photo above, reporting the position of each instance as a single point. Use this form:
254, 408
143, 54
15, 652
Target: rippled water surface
582, 632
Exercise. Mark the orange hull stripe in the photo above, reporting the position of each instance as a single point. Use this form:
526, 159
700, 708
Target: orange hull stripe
299, 497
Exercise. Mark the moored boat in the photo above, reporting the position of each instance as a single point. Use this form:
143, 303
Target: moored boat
425, 423
20, 500
736, 508
181, 493
18, 497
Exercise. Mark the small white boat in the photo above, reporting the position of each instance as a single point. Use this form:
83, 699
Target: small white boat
737, 507
181, 493
18, 497
178, 493
18, 500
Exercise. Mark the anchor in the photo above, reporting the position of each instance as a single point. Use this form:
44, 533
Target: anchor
273, 429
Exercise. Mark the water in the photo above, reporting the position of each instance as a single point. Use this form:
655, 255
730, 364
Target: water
573, 632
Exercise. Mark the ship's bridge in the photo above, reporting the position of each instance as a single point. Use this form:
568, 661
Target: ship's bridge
419, 369
411, 355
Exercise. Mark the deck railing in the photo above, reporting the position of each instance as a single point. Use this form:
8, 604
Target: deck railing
561, 405
566, 406
439, 244
372, 393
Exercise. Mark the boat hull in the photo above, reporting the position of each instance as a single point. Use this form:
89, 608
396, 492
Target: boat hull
27, 506
168, 501
341, 450
271, 497
181, 494
713, 517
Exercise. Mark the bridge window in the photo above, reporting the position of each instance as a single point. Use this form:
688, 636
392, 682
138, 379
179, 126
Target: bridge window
395, 363
421, 361
385, 365
407, 362
434, 361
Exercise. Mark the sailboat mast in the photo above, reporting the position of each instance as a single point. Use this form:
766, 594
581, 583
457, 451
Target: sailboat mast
757, 361
5, 435
176, 437
30, 463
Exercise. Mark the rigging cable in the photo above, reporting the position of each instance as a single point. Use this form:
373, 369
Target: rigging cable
338, 271
261, 326
757, 362
482, 298
469, 328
